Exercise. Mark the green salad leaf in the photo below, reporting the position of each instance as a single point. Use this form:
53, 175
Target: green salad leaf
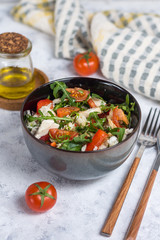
119, 132
76, 143
59, 90
98, 121
31, 118
127, 107
94, 95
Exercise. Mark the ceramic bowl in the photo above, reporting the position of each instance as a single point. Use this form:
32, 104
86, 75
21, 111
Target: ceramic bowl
81, 165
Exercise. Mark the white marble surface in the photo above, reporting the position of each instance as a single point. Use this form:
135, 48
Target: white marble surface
81, 207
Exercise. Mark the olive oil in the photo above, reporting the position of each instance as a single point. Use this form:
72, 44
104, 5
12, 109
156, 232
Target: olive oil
16, 82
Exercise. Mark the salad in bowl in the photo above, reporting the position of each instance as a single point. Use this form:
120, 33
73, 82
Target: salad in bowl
77, 119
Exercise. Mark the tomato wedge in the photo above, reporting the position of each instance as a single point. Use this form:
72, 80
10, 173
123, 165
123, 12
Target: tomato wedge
78, 93
57, 133
61, 112
118, 115
44, 102
91, 103
99, 138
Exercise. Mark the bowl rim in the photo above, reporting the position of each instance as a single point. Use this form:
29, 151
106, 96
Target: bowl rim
68, 79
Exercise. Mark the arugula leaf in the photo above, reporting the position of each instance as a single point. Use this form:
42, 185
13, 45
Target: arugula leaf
127, 107
59, 90
42, 117
60, 105
94, 95
98, 121
119, 132
108, 107
83, 138
75, 144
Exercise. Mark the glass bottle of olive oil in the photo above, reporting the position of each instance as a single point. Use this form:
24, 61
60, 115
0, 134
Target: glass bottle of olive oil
15, 82
16, 70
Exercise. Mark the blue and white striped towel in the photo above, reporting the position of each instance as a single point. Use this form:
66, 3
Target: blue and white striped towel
127, 44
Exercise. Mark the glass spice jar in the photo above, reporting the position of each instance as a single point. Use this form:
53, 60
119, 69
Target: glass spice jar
16, 69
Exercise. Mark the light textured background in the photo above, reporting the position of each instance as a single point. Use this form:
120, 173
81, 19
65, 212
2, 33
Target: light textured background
82, 206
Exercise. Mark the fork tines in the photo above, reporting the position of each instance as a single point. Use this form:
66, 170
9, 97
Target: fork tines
152, 124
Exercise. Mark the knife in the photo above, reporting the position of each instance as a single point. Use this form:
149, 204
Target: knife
140, 210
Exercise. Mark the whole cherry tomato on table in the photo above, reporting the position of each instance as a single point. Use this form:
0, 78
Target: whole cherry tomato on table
86, 63
41, 196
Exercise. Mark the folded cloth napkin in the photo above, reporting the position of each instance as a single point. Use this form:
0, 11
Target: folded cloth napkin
127, 44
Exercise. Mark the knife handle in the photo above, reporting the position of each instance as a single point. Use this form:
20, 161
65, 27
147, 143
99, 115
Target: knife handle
137, 217
113, 215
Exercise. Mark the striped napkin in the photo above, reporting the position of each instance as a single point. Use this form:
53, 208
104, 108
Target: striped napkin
127, 44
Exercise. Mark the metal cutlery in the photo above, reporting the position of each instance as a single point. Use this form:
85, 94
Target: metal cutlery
147, 138
139, 212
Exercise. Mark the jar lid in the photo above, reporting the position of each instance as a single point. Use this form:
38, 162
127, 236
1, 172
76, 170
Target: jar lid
11, 42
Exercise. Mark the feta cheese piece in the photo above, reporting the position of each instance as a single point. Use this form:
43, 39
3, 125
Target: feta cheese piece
88, 111
102, 146
81, 119
44, 127
83, 149
45, 109
111, 124
70, 126
56, 101
112, 141
127, 131
98, 102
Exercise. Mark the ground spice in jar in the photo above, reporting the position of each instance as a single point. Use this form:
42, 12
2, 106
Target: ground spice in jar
11, 42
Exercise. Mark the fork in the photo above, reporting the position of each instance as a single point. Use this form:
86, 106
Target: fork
147, 138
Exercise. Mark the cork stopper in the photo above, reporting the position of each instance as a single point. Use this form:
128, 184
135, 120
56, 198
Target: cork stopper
11, 42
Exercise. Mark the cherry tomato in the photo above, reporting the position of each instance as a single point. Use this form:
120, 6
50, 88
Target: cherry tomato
41, 196
57, 133
91, 103
61, 112
86, 63
99, 138
78, 93
44, 102
118, 115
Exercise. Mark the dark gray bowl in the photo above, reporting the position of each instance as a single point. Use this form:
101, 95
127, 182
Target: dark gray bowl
81, 165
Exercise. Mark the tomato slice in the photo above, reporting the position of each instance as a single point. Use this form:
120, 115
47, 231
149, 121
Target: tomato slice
61, 112
78, 93
91, 103
99, 138
44, 102
118, 115
58, 133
